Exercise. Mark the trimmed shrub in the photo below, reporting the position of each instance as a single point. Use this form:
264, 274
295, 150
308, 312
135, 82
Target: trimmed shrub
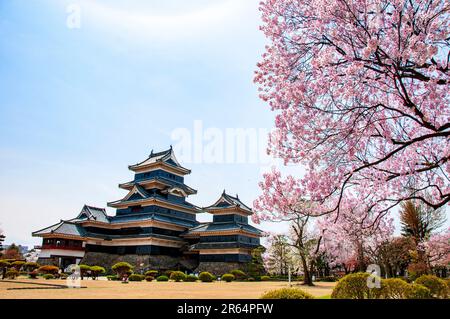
122, 268
31, 266
191, 278
162, 278
48, 269
206, 277
178, 276
12, 274
48, 276
228, 277
167, 273
437, 286
265, 278
18, 264
149, 278
97, 271
33, 274
238, 274
84, 270
287, 293
152, 273
393, 288
250, 279
417, 291
112, 277
354, 286
136, 277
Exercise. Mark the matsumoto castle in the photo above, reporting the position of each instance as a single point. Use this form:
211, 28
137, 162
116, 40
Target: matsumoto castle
155, 227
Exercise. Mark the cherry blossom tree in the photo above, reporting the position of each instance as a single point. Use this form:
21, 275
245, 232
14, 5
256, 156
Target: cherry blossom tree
437, 249
361, 91
354, 237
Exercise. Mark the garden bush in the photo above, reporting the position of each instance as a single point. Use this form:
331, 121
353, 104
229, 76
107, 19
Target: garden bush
84, 270
417, 291
191, 278
228, 277
206, 277
12, 274
97, 271
393, 288
354, 286
265, 278
287, 293
136, 277
48, 269
31, 266
122, 268
177, 276
167, 273
152, 273
112, 277
250, 279
149, 278
18, 264
162, 278
238, 274
48, 276
437, 286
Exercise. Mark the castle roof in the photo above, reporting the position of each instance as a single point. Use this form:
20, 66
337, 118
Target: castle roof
228, 201
64, 227
166, 157
219, 227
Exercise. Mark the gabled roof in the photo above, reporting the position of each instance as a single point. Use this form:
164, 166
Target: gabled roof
137, 189
92, 213
228, 201
64, 227
218, 227
163, 180
166, 157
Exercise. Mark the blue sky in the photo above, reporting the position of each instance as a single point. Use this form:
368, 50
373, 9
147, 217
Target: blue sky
80, 104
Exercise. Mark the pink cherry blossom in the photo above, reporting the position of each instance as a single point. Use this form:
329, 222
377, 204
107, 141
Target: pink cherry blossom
361, 92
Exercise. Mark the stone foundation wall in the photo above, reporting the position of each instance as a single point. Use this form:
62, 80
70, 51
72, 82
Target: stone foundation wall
219, 268
141, 262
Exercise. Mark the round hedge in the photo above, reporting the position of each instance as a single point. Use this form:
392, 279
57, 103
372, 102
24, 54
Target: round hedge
162, 278
48, 269
152, 273
354, 286
417, 291
178, 276
12, 273
48, 276
228, 277
149, 278
265, 278
206, 277
287, 293
238, 274
136, 277
191, 278
438, 287
393, 288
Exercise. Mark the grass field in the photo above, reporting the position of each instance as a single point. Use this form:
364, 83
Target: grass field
103, 289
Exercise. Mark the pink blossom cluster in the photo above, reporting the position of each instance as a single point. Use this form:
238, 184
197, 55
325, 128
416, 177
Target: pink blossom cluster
361, 94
